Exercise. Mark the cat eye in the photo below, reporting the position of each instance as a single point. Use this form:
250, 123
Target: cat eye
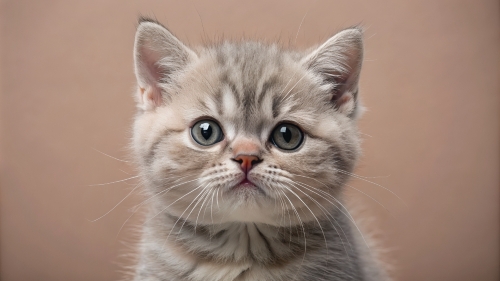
287, 136
207, 132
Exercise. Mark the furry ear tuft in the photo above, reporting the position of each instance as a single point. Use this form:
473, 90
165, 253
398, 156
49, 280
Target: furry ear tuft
158, 56
338, 62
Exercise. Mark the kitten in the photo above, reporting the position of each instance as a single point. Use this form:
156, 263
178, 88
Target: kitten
244, 149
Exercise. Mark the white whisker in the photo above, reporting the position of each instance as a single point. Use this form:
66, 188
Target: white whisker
100, 184
363, 179
177, 200
349, 215
303, 229
312, 213
112, 157
364, 193
298, 30
197, 199
126, 196
328, 215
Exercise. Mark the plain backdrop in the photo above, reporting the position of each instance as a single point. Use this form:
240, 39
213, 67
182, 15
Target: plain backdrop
430, 81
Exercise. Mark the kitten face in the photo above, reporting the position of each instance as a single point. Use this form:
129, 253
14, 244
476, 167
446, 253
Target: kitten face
255, 94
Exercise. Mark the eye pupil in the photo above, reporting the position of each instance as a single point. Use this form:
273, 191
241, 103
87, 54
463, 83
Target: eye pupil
206, 130
286, 133
287, 136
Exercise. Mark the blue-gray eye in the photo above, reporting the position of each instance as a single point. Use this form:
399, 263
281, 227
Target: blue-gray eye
287, 136
206, 132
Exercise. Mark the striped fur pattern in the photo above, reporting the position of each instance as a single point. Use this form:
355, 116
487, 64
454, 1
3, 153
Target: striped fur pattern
294, 226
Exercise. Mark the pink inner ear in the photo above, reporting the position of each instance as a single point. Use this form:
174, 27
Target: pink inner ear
158, 54
343, 99
150, 96
150, 75
150, 59
150, 71
341, 82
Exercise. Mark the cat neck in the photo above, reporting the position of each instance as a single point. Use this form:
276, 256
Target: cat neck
245, 247
262, 243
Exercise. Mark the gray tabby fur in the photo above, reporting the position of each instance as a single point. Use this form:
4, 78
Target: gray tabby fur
295, 226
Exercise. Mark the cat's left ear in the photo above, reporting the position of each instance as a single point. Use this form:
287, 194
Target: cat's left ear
338, 63
158, 57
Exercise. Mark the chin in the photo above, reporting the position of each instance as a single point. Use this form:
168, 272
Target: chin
247, 202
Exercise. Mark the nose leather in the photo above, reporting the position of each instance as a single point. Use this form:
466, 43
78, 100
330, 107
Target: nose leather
246, 151
247, 162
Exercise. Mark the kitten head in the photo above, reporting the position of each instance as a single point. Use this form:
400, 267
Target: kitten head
245, 131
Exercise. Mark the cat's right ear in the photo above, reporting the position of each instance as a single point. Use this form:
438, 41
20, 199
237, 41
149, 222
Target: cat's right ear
338, 63
158, 56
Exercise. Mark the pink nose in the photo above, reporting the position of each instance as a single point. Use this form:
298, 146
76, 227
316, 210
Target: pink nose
247, 161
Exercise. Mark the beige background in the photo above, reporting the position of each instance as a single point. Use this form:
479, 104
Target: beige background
430, 82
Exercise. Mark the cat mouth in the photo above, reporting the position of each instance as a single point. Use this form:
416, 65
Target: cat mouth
246, 184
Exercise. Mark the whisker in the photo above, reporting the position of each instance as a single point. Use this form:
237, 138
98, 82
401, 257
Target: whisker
328, 215
287, 84
197, 199
112, 157
366, 135
303, 229
125, 222
137, 207
166, 190
296, 83
298, 30
125, 172
173, 226
126, 196
283, 205
163, 210
211, 207
211, 195
349, 214
363, 179
217, 198
303, 184
364, 193
312, 213
100, 184
201, 207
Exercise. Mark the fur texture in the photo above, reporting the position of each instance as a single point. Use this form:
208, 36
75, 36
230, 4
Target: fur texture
290, 223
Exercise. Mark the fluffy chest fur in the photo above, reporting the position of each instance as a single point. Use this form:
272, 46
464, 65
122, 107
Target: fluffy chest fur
244, 150
249, 251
